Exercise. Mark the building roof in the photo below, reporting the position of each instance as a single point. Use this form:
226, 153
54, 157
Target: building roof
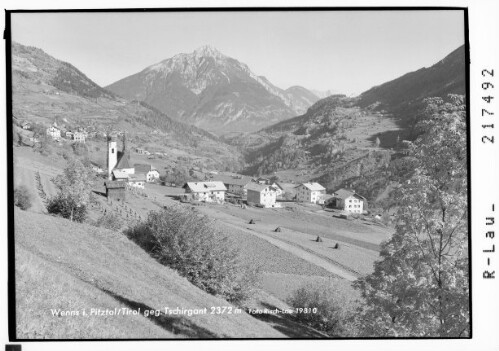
120, 174
138, 177
312, 186
142, 167
257, 187
277, 185
233, 180
343, 194
26, 141
114, 184
123, 161
24, 132
201, 187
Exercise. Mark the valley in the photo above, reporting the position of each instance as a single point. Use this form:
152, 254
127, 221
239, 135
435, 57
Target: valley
205, 119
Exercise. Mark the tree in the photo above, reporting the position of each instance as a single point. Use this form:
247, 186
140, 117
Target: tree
15, 135
74, 191
181, 239
420, 287
327, 308
22, 197
110, 221
178, 175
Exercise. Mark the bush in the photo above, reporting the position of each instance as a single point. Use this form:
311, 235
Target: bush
80, 149
330, 309
110, 221
22, 197
66, 207
189, 243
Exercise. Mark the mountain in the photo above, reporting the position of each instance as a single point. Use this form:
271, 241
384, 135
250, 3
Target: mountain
45, 89
213, 91
342, 141
403, 96
323, 93
301, 98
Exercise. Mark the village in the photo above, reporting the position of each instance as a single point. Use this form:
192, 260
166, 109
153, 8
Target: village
308, 221
221, 187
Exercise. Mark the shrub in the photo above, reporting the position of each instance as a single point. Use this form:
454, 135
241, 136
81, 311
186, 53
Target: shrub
74, 192
330, 309
66, 207
189, 243
80, 149
22, 197
110, 221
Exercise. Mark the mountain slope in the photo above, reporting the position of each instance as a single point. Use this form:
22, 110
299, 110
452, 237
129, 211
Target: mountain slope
402, 96
84, 267
301, 98
340, 140
213, 91
46, 89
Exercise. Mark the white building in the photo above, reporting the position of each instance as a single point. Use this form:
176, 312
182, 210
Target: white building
261, 194
348, 200
137, 180
79, 137
310, 192
151, 174
235, 184
54, 132
206, 191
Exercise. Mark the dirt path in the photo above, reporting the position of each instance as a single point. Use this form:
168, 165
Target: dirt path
299, 252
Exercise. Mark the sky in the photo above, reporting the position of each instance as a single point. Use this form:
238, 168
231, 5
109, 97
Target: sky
343, 51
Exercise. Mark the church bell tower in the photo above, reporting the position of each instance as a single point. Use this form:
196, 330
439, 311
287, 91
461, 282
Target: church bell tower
112, 155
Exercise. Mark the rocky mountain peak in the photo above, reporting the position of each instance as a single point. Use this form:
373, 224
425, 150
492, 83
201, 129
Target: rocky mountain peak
207, 51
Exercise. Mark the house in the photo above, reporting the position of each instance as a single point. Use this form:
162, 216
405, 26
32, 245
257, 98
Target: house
96, 167
261, 194
54, 132
310, 192
235, 184
279, 190
137, 180
151, 174
26, 125
79, 137
206, 191
115, 190
26, 141
348, 200
262, 180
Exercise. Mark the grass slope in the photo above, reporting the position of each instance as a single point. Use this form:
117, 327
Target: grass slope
71, 266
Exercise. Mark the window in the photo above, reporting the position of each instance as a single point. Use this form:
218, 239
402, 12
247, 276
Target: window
112, 151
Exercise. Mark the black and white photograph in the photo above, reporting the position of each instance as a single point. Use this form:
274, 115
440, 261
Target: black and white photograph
252, 173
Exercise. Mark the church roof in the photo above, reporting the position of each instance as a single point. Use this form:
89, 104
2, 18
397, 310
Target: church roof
123, 161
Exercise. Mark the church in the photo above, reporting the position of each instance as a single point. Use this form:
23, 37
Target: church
120, 174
